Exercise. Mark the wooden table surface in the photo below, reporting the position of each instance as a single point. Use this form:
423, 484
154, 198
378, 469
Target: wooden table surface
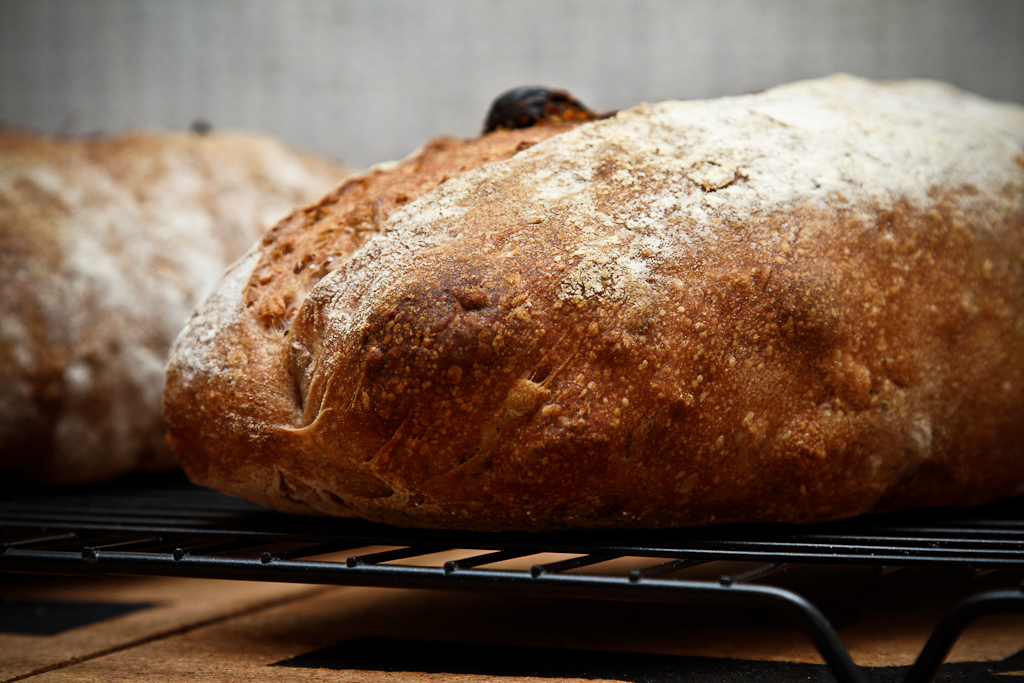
175, 629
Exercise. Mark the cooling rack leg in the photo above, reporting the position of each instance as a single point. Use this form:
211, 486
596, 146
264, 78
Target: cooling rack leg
824, 636
804, 614
953, 624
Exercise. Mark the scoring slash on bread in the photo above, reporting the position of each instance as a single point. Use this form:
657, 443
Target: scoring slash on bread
106, 245
793, 306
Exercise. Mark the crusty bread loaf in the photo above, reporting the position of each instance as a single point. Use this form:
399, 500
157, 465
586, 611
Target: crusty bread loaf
793, 306
106, 244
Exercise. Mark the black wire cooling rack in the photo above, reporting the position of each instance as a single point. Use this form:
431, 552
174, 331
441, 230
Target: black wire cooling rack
168, 527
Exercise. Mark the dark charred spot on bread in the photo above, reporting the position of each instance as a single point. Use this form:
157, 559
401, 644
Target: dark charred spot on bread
529, 106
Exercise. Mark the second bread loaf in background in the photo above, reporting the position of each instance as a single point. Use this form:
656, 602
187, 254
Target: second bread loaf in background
106, 244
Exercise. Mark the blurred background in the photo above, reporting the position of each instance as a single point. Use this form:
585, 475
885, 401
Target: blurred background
365, 81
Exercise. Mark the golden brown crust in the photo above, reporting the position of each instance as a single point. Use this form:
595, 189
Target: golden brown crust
647, 322
317, 239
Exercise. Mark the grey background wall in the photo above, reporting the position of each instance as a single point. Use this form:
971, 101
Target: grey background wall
368, 80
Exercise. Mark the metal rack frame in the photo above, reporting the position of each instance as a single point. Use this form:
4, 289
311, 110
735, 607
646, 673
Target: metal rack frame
174, 529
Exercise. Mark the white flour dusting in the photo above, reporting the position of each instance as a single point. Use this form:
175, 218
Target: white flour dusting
105, 246
682, 172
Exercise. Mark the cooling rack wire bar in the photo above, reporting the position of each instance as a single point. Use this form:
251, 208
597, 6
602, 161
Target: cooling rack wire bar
167, 527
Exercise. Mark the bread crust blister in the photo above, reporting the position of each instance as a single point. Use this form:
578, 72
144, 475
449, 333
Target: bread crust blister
794, 306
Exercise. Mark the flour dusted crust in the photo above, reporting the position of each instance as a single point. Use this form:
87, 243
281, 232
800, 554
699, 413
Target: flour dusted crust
106, 244
793, 306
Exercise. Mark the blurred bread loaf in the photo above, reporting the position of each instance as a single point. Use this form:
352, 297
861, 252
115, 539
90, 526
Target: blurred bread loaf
106, 244
793, 306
